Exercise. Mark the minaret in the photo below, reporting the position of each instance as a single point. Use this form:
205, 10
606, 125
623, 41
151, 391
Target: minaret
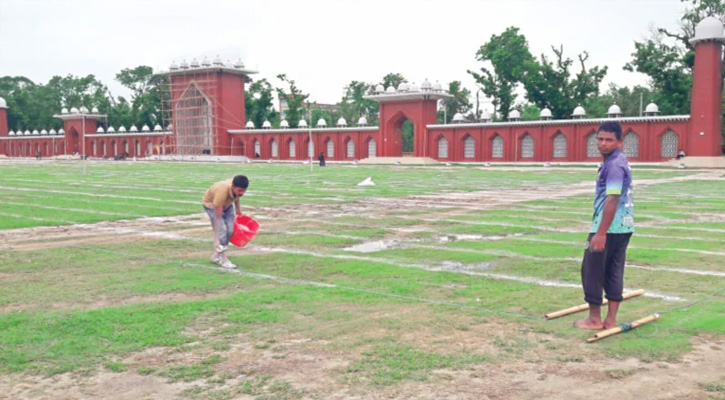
3, 125
705, 134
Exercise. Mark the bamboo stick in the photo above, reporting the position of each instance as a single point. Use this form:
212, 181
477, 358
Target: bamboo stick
622, 328
585, 306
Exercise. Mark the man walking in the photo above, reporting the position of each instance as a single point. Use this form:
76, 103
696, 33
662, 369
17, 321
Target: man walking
612, 226
217, 202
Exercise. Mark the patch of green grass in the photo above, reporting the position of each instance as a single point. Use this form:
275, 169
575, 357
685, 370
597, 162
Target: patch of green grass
146, 370
116, 366
713, 387
391, 363
187, 373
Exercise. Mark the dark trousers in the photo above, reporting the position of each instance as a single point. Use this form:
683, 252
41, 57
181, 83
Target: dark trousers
604, 270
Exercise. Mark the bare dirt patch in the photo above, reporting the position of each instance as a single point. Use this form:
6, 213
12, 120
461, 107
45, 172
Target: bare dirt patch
309, 367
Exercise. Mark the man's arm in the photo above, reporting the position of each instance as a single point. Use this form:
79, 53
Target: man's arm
610, 210
237, 208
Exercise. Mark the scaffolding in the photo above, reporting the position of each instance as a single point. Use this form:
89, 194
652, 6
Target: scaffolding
191, 109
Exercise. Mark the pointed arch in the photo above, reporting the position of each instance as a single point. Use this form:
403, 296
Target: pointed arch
330, 148
193, 121
292, 150
372, 147
527, 146
592, 150
274, 147
349, 147
310, 148
469, 146
442, 147
669, 144
257, 148
631, 144
497, 146
560, 145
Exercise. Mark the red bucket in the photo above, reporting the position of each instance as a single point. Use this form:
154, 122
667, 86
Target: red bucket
245, 229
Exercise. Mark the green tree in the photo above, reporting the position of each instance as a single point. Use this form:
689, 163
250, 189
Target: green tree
295, 100
550, 84
670, 76
630, 101
393, 79
32, 106
86, 91
530, 112
509, 56
20, 93
121, 113
258, 103
318, 114
460, 103
667, 57
354, 104
147, 95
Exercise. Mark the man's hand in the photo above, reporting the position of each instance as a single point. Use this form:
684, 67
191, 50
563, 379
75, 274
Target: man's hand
238, 212
598, 242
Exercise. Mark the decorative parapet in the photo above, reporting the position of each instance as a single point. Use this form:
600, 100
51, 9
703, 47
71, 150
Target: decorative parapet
664, 118
128, 134
302, 130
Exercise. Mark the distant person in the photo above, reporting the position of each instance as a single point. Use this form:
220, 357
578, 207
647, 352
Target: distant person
256, 155
321, 157
612, 227
217, 202
680, 154
38, 156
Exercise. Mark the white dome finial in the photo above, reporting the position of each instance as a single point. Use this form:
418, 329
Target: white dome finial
710, 28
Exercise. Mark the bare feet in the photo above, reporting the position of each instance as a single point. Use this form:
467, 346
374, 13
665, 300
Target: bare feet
589, 323
609, 324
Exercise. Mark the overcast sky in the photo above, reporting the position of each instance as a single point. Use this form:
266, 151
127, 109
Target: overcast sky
322, 45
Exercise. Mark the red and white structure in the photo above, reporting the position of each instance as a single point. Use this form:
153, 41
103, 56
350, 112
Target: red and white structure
204, 114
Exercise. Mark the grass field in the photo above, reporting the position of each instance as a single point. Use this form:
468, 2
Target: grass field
431, 284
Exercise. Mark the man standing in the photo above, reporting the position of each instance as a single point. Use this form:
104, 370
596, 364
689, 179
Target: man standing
612, 226
217, 202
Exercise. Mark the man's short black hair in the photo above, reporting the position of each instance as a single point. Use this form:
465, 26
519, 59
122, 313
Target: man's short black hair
240, 181
611, 127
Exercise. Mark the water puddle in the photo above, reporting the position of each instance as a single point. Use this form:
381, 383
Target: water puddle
371, 247
456, 266
473, 237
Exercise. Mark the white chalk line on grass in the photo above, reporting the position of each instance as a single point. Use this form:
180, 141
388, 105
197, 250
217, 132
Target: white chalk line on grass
120, 204
568, 243
107, 186
100, 195
531, 280
680, 270
69, 209
414, 243
40, 219
334, 286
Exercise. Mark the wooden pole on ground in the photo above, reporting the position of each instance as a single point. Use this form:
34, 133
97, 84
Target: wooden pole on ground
622, 328
585, 306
